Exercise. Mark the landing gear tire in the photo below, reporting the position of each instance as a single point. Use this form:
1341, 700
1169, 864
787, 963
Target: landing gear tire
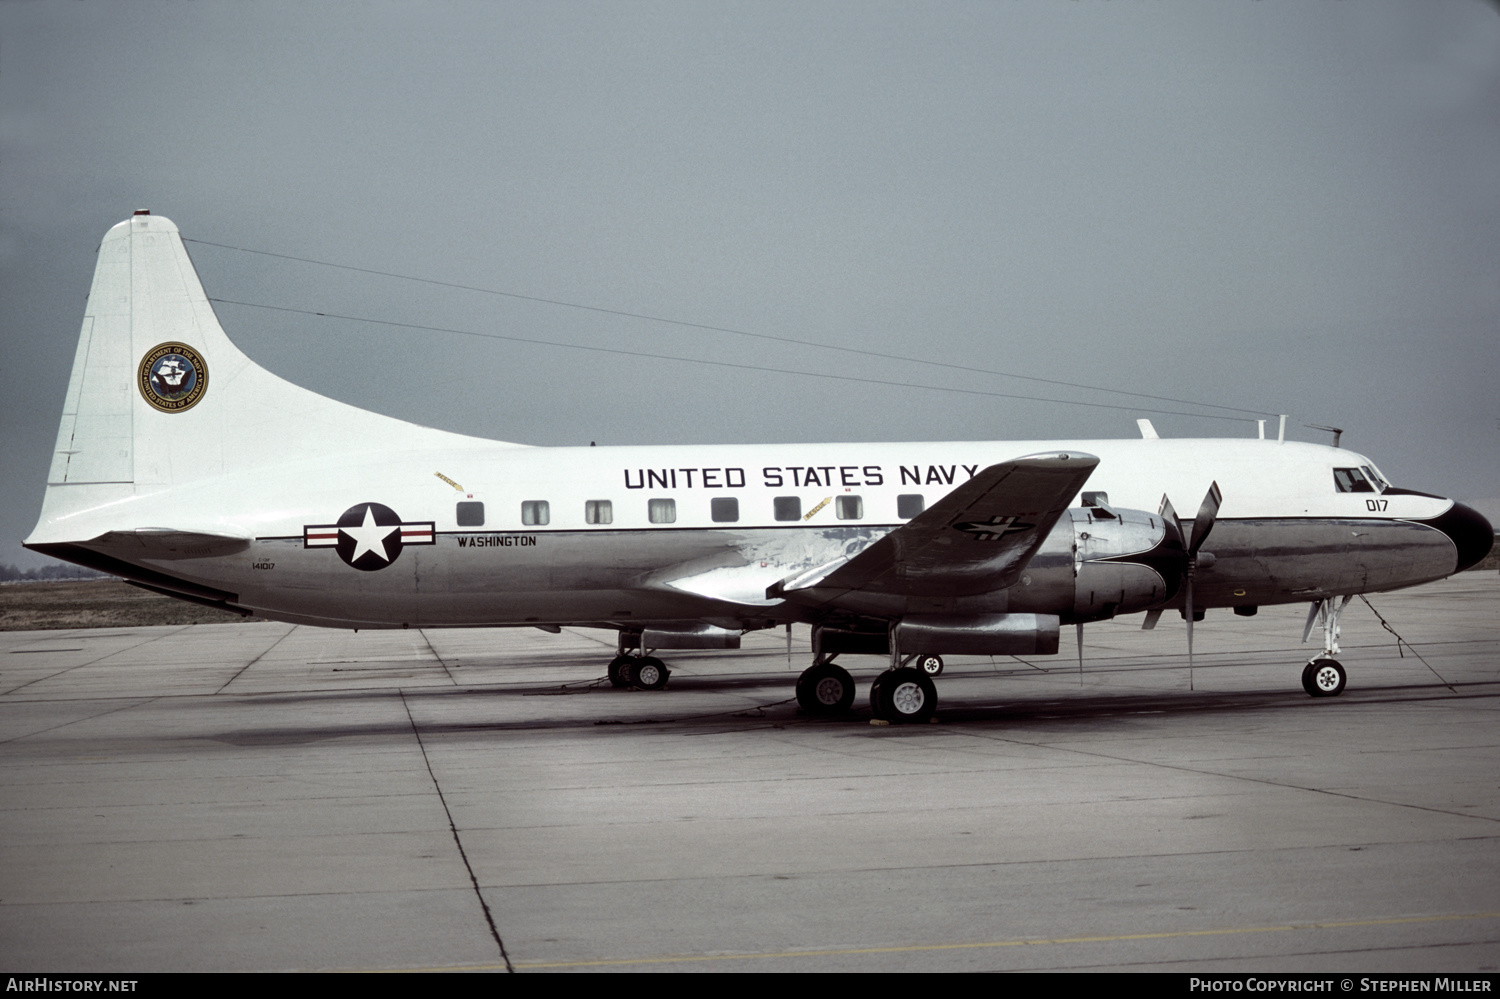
618, 675
649, 673
825, 690
931, 665
903, 696
1323, 678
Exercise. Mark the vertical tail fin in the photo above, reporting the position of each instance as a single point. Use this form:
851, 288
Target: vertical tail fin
159, 396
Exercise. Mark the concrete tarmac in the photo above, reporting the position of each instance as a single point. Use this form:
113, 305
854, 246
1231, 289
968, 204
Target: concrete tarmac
261, 796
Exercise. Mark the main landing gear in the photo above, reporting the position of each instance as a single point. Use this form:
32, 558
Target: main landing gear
1323, 676
825, 689
640, 672
634, 669
902, 695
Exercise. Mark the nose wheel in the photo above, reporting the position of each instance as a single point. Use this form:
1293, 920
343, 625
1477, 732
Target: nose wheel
1323, 678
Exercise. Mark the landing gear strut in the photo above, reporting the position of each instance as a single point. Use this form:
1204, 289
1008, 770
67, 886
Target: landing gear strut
1323, 676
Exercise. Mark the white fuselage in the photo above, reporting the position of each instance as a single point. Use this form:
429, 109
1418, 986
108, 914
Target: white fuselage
1284, 532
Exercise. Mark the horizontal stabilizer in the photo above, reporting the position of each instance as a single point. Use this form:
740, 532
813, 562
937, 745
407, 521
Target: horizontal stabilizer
165, 543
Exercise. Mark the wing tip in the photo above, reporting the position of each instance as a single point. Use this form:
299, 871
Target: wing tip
1072, 459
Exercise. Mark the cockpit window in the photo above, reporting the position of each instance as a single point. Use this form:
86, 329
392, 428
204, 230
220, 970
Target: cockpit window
1374, 476
1351, 480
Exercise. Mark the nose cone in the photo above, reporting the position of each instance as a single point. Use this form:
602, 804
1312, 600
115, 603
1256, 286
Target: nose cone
1470, 533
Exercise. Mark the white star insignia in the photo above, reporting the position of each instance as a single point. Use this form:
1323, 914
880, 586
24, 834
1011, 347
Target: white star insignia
369, 536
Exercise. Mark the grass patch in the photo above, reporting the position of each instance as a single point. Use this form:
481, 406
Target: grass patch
97, 603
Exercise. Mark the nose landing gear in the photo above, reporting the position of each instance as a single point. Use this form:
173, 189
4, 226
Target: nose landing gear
1323, 676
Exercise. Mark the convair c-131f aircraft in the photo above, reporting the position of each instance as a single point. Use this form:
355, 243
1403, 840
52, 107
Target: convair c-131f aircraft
185, 468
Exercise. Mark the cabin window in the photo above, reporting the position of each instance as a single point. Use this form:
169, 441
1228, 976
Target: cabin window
788, 507
849, 507
598, 512
1351, 480
536, 513
471, 515
662, 511
909, 505
724, 510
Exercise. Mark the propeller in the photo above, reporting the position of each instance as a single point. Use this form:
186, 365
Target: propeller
1202, 525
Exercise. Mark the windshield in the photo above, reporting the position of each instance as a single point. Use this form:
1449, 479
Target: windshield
1352, 480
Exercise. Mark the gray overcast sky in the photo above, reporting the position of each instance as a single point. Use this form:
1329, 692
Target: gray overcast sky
1286, 207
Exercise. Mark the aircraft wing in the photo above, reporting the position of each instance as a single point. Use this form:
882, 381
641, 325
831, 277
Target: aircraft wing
977, 538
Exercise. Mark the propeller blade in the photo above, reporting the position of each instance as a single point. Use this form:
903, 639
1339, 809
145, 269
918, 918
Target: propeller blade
1153, 616
1079, 626
1166, 512
1208, 512
1187, 584
1204, 522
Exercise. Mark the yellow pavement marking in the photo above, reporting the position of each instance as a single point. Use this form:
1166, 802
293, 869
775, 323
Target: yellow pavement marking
917, 948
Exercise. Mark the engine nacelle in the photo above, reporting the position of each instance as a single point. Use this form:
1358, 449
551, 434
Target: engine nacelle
948, 635
1123, 561
689, 635
978, 634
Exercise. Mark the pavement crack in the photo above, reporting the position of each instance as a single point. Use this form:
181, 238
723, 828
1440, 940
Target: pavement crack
145, 641
457, 841
264, 653
75, 721
423, 633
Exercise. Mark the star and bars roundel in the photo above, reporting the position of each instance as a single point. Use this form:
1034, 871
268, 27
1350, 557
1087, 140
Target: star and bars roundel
369, 536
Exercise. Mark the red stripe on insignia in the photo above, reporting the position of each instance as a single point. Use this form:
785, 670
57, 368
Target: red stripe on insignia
326, 536
417, 534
